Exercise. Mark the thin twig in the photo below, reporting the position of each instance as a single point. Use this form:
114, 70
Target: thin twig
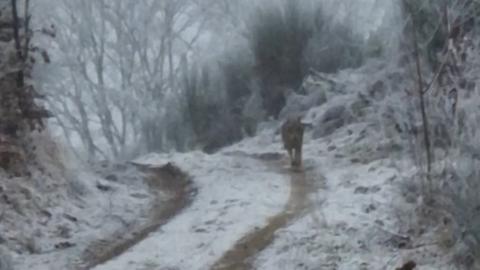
18, 46
440, 69
421, 245
16, 26
27, 29
391, 233
422, 98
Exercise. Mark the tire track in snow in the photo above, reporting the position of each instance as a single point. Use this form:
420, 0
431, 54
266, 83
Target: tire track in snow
241, 255
166, 178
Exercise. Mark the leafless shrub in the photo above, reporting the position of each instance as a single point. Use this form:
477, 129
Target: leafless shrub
448, 185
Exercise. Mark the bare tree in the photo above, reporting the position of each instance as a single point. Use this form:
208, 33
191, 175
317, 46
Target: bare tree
421, 93
119, 60
20, 112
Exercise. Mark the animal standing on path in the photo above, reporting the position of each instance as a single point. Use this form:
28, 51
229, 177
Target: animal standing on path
292, 137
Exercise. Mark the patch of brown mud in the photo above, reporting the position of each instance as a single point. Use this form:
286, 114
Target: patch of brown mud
241, 256
167, 178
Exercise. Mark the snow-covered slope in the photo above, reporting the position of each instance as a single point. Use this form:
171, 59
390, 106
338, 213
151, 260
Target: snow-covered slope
356, 218
351, 223
353, 215
50, 217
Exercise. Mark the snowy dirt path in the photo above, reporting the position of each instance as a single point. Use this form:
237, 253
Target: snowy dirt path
235, 194
167, 179
357, 216
241, 256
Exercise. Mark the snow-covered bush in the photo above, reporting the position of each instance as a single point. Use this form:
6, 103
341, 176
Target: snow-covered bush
457, 186
429, 14
288, 38
334, 46
20, 112
214, 98
279, 35
444, 80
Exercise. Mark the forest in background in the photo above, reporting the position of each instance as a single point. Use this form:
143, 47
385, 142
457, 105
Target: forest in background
118, 79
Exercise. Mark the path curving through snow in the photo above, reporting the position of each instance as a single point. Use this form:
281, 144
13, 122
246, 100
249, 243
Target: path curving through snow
241, 255
168, 179
234, 195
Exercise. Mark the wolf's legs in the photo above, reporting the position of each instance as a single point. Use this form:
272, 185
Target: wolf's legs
298, 155
290, 155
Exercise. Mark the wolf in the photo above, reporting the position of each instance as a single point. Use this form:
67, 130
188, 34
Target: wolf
292, 136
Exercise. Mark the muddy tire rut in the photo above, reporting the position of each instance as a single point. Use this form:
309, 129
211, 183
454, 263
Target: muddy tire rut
241, 256
167, 178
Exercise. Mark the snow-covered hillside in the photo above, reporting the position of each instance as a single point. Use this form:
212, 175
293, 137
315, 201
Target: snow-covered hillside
353, 215
247, 209
163, 146
49, 219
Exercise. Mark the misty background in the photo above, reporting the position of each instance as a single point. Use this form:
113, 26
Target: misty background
135, 77
108, 107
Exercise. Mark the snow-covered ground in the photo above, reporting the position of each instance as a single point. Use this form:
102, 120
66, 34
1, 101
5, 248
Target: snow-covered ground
355, 216
49, 219
349, 211
351, 221
93, 217
235, 194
